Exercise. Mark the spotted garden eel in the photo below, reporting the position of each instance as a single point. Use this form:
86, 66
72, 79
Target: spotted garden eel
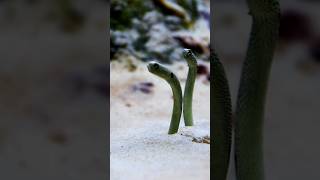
253, 87
173, 81
251, 96
188, 90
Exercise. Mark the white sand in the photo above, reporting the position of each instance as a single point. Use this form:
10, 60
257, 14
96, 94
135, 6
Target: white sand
140, 145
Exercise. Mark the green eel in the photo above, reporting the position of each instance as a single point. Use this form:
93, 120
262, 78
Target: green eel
253, 88
222, 124
164, 73
188, 90
249, 115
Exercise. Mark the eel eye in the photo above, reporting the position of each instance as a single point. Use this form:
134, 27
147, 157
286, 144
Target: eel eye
156, 66
171, 75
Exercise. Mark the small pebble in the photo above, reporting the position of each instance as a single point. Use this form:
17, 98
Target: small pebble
144, 87
205, 139
128, 104
145, 90
147, 84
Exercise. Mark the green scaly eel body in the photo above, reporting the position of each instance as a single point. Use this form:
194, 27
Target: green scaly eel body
253, 87
166, 74
188, 90
222, 125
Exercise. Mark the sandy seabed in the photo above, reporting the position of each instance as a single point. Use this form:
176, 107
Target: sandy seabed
140, 146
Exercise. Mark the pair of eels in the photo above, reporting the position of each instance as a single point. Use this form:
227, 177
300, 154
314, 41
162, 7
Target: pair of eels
251, 98
179, 102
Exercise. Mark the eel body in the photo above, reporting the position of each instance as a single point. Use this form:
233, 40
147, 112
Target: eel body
253, 87
188, 90
222, 124
173, 81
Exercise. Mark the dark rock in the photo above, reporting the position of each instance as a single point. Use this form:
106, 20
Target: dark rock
144, 87
189, 42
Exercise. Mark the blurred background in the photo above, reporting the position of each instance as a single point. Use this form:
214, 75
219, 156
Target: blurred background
53, 89
157, 29
292, 112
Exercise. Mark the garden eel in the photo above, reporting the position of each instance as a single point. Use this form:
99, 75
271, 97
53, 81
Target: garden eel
222, 125
253, 87
188, 91
173, 81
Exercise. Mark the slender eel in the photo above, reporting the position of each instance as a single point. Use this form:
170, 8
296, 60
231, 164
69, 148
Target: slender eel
188, 90
222, 125
173, 81
253, 88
